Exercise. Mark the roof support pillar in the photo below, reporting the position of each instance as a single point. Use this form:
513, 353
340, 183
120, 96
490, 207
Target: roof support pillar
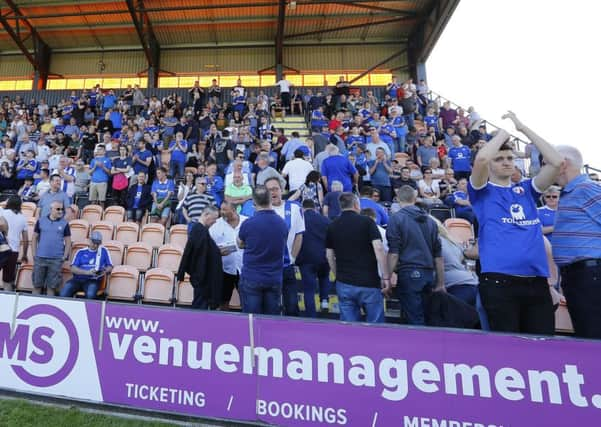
279, 41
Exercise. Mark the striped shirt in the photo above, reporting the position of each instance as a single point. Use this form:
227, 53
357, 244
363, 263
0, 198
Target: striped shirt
194, 203
577, 233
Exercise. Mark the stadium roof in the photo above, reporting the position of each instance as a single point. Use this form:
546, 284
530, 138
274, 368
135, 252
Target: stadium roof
38, 27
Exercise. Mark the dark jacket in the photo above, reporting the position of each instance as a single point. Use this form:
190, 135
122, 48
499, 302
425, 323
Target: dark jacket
145, 200
413, 235
202, 261
313, 250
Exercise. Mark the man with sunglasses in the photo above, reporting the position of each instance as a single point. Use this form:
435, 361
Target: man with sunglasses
51, 246
513, 284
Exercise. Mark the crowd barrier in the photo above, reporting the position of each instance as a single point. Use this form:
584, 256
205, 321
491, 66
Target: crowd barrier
293, 372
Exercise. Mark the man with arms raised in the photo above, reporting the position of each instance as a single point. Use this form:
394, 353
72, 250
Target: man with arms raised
513, 284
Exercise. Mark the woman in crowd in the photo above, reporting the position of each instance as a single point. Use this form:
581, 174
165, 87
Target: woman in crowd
429, 191
182, 191
546, 213
120, 171
311, 189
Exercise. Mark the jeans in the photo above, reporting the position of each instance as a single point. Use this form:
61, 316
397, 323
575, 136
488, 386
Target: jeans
412, 287
135, 215
582, 288
466, 293
517, 304
409, 119
315, 276
484, 325
89, 286
352, 298
290, 292
176, 169
260, 298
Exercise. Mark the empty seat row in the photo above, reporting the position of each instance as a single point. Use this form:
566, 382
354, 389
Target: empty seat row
129, 232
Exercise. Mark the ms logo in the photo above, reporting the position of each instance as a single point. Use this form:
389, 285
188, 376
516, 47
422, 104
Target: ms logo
42, 347
517, 212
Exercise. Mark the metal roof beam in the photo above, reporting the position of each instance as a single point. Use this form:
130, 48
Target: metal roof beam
350, 27
279, 39
144, 31
375, 8
40, 58
150, 44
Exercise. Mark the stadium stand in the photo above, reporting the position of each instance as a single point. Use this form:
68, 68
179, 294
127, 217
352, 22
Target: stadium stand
146, 254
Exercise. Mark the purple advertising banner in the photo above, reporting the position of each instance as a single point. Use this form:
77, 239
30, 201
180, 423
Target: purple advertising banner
294, 372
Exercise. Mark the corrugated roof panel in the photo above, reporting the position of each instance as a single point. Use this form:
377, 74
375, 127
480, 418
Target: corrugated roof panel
87, 63
341, 57
210, 33
15, 66
208, 14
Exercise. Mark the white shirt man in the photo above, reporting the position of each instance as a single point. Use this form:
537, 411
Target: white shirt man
284, 85
297, 171
225, 235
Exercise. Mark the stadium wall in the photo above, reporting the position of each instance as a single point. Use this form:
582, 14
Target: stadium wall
292, 372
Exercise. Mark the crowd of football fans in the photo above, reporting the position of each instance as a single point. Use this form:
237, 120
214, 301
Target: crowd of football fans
180, 159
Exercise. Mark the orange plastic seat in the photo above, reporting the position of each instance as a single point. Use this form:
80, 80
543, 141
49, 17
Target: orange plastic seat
116, 250
460, 229
25, 278
178, 235
105, 228
153, 234
158, 286
79, 230
74, 248
92, 213
28, 209
123, 283
168, 257
563, 321
114, 214
139, 255
127, 232
185, 292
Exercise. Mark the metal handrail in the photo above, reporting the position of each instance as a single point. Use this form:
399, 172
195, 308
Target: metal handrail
518, 141
587, 168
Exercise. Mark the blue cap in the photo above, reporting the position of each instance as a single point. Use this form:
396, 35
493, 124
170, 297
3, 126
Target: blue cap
96, 237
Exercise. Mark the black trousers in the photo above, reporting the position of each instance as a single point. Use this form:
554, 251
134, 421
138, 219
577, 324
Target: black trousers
200, 300
517, 304
230, 281
286, 100
581, 286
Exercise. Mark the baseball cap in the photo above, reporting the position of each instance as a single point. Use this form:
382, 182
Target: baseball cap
96, 237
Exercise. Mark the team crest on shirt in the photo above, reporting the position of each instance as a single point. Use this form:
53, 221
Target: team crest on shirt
518, 189
517, 212
518, 216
